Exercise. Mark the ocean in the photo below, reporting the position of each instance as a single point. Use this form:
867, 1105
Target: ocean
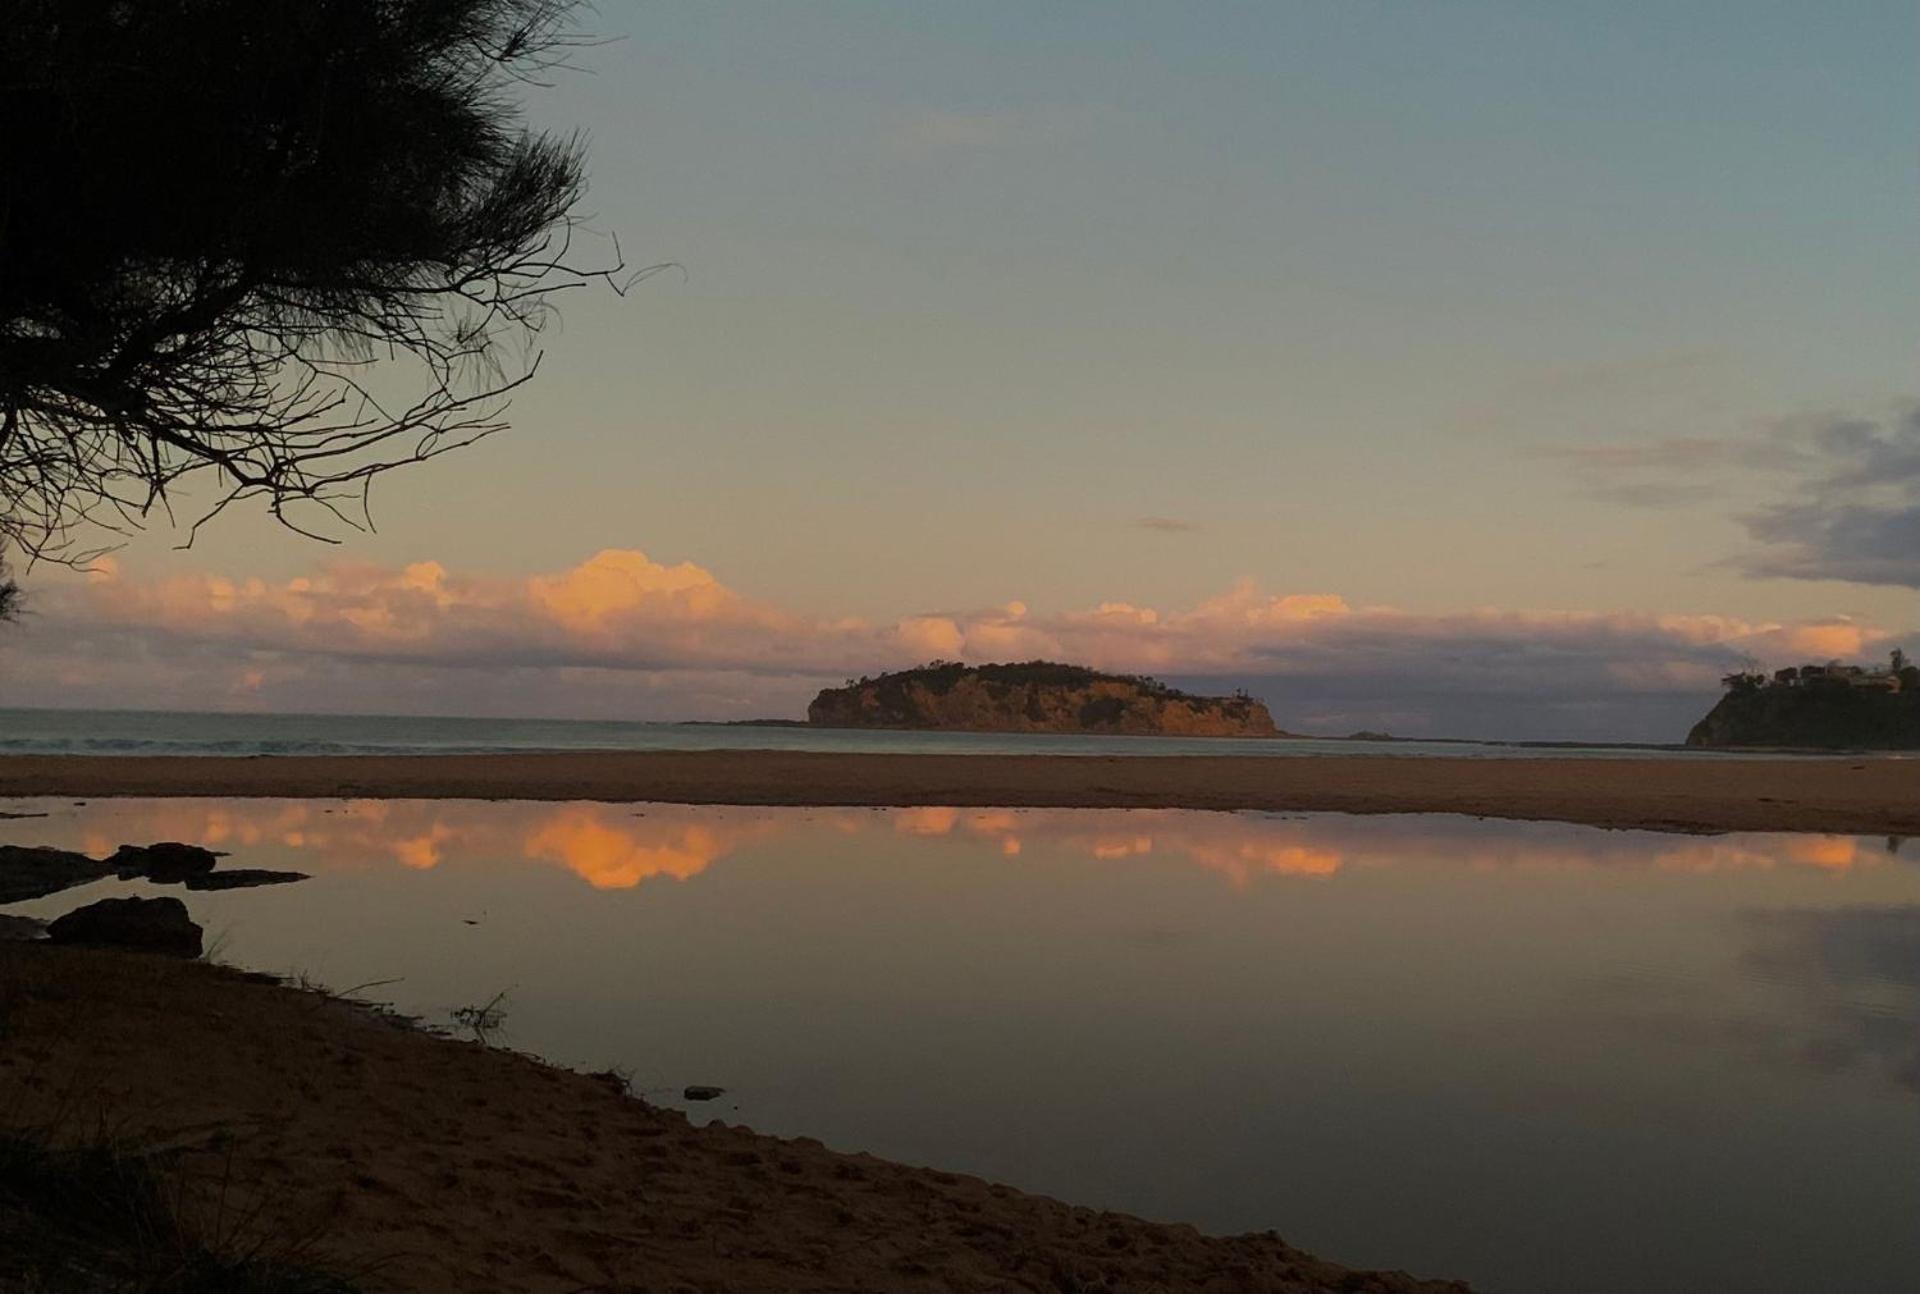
162, 732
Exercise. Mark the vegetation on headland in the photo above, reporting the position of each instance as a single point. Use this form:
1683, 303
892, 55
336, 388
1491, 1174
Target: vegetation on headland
1828, 707
1034, 696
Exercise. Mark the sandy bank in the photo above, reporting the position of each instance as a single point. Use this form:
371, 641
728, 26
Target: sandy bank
1868, 796
412, 1162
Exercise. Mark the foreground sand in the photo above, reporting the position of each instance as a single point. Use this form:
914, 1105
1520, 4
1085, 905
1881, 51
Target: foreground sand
1867, 796
411, 1162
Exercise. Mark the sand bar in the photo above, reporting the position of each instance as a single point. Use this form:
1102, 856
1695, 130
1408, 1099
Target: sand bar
1867, 795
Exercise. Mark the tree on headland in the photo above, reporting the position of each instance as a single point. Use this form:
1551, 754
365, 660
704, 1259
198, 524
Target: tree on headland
278, 248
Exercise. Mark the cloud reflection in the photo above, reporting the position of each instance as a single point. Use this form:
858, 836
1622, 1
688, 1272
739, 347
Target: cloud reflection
1856, 973
613, 855
612, 846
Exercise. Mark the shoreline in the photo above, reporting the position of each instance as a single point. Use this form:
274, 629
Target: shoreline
359, 1143
1851, 796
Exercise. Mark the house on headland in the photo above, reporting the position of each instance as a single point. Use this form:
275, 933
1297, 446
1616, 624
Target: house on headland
1898, 675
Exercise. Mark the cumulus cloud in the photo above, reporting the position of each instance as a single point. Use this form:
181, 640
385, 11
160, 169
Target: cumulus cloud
617, 609
621, 634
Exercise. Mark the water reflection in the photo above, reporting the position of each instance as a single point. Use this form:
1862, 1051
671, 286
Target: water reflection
1490, 1048
1855, 974
614, 854
613, 846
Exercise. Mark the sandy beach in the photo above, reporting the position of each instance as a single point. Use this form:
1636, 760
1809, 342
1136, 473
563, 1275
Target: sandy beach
1865, 795
415, 1162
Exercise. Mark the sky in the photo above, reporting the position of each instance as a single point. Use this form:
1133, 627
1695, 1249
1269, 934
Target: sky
1443, 367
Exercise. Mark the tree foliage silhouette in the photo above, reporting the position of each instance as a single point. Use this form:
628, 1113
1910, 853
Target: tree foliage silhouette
279, 248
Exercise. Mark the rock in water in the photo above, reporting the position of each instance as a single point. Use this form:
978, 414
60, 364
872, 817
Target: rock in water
20, 928
166, 863
27, 872
146, 925
240, 878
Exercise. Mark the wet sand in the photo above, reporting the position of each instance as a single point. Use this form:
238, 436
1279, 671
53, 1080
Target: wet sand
411, 1162
1868, 795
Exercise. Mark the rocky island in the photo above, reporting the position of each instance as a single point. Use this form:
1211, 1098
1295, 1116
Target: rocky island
1035, 696
1818, 707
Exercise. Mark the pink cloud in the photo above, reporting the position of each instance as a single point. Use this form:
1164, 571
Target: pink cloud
673, 640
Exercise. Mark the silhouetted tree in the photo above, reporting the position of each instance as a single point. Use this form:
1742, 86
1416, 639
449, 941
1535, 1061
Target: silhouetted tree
282, 246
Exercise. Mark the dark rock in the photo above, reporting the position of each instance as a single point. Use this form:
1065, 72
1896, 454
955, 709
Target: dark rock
166, 863
239, 878
17, 928
701, 1092
148, 925
28, 872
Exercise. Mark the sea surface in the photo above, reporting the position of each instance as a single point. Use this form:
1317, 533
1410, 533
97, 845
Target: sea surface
1540, 1057
159, 732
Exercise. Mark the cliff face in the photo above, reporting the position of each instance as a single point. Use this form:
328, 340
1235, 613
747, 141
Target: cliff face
1035, 697
1824, 718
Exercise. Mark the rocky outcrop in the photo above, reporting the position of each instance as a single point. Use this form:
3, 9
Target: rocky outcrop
29, 872
12, 927
144, 925
1037, 696
1817, 717
242, 878
167, 862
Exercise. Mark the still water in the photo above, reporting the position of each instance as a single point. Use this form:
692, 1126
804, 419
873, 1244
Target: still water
1541, 1057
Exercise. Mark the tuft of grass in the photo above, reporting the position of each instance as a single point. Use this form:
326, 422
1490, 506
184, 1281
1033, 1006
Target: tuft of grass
94, 1217
484, 1020
617, 1078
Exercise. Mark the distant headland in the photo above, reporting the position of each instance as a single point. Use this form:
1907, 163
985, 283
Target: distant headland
1820, 707
1035, 696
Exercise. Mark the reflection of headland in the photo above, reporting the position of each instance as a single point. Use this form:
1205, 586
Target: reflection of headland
613, 846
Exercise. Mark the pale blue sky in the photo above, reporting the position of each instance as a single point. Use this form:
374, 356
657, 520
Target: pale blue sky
1354, 289
968, 288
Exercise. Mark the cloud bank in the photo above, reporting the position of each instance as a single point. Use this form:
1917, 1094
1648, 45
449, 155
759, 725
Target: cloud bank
623, 635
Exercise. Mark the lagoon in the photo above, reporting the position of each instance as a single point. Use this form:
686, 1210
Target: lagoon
1539, 1056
